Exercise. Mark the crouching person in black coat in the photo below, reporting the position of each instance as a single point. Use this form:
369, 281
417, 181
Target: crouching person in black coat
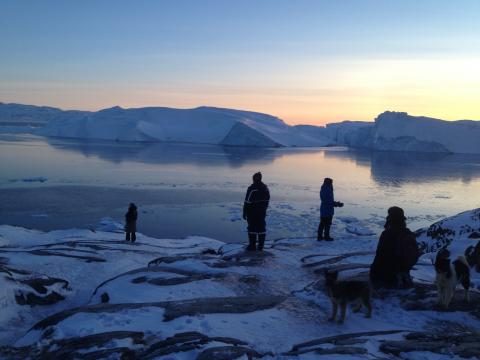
397, 253
255, 211
131, 223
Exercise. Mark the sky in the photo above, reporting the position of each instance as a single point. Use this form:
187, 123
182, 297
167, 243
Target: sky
305, 61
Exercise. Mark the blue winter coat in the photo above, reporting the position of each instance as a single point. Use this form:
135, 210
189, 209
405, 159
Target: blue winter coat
327, 205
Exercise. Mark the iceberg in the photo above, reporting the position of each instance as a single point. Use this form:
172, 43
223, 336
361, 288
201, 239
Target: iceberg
205, 125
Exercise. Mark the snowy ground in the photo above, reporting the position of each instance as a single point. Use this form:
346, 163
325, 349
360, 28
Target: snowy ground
88, 294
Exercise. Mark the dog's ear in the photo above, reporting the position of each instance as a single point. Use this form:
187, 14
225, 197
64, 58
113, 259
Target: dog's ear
443, 253
333, 275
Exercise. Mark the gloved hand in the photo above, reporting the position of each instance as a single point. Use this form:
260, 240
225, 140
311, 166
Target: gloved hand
338, 204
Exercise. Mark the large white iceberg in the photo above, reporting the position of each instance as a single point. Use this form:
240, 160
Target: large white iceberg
398, 131
391, 131
206, 125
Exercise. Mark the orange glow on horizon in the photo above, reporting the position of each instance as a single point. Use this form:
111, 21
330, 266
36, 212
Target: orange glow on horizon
446, 89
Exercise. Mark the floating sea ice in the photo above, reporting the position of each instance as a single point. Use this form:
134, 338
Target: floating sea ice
109, 225
359, 230
39, 215
286, 206
347, 219
29, 180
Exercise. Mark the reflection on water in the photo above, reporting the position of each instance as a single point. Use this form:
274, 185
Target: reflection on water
395, 168
367, 182
167, 153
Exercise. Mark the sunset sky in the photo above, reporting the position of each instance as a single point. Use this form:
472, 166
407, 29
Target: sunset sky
305, 61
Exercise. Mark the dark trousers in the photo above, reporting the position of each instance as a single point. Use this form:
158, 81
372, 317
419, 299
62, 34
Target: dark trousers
324, 226
130, 236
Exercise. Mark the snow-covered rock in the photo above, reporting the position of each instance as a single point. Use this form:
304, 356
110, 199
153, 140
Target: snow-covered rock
88, 294
457, 233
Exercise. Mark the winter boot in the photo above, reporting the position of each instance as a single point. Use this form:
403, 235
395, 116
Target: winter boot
252, 239
261, 242
127, 236
134, 237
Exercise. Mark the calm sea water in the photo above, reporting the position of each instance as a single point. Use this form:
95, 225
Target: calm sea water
186, 190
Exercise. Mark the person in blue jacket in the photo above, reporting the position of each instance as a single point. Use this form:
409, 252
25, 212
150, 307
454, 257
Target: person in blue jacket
255, 211
327, 209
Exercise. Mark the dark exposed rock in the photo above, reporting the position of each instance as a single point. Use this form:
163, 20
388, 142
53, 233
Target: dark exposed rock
40, 284
342, 350
76, 348
341, 267
423, 297
334, 259
61, 254
174, 309
397, 347
445, 338
228, 353
176, 258
143, 278
178, 343
245, 258
209, 252
181, 342
249, 279
33, 299
306, 346
474, 235
242, 304
41, 294
182, 280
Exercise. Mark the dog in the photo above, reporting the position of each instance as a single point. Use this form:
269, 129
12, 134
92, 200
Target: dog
346, 291
448, 275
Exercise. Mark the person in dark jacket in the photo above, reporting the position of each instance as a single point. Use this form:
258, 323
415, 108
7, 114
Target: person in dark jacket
255, 211
397, 252
131, 223
327, 209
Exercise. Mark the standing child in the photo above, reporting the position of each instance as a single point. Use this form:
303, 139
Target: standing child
131, 223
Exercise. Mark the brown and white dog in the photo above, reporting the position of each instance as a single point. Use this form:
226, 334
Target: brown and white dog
449, 274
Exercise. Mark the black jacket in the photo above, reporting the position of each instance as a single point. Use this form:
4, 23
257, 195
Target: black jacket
256, 201
396, 253
131, 220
